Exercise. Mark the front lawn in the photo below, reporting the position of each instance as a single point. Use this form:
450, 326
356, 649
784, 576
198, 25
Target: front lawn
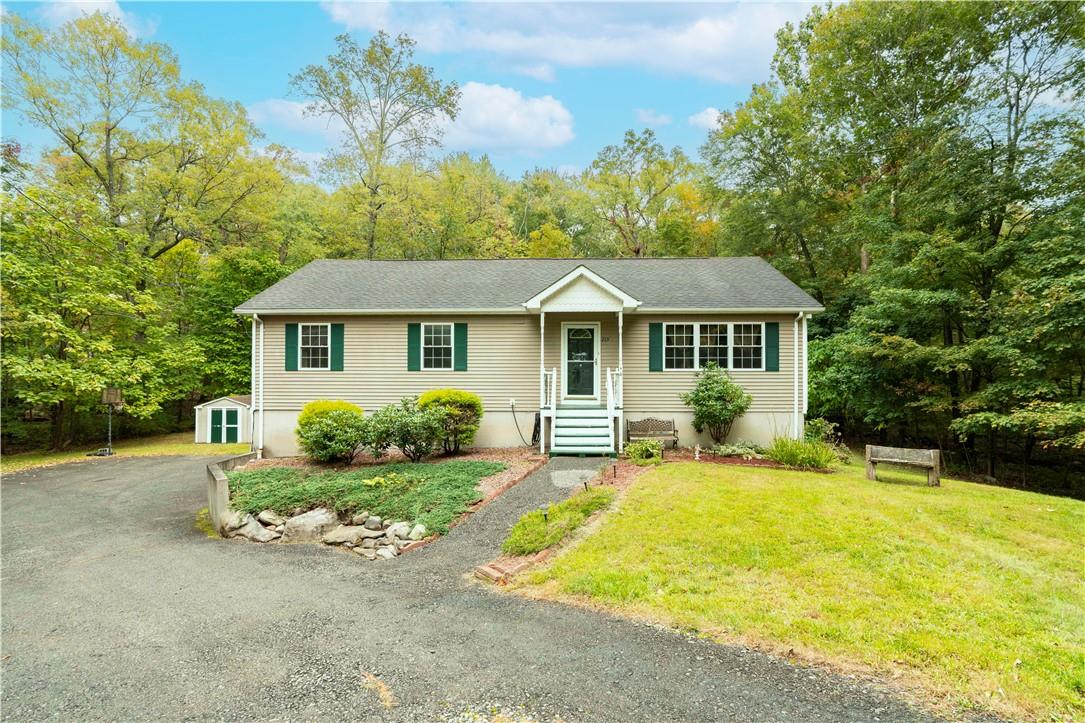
178, 444
540, 529
969, 593
433, 494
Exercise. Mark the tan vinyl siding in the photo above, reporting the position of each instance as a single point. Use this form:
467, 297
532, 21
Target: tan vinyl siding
658, 391
503, 363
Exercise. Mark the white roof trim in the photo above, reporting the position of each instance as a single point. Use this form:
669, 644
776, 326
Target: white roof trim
506, 310
535, 302
227, 398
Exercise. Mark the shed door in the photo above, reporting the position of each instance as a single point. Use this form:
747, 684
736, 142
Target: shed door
216, 425
231, 425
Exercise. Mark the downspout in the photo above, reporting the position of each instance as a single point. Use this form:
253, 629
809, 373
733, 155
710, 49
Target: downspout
795, 425
805, 365
252, 388
260, 446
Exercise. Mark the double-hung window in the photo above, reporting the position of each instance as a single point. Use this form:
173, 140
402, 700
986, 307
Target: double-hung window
728, 345
314, 346
437, 346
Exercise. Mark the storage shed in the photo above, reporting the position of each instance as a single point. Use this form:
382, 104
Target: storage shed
226, 419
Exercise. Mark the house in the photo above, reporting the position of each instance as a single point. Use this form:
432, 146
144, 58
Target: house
226, 419
585, 343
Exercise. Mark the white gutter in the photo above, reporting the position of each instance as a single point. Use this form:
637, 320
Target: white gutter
805, 365
796, 425
505, 310
260, 446
252, 387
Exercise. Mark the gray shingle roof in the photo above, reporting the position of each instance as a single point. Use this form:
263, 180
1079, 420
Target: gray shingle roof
746, 282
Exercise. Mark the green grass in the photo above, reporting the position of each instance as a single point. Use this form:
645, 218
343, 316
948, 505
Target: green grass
433, 494
179, 444
539, 529
970, 594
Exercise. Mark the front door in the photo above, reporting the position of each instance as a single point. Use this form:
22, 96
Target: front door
580, 361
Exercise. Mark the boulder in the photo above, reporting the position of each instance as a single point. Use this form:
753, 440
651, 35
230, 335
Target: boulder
343, 534
369, 543
280, 528
366, 552
254, 531
236, 521
373, 523
271, 518
360, 518
417, 532
310, 526
399, 529
386, 552
365, 532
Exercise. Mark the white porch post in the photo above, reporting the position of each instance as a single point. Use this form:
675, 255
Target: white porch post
542, 381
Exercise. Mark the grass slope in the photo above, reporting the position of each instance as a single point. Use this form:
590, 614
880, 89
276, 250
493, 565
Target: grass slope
433, 494
972, 593
179, 445
540, 529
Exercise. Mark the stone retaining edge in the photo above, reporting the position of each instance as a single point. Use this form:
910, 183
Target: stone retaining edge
218, 489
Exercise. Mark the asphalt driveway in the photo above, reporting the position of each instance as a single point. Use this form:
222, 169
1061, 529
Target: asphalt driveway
115, 606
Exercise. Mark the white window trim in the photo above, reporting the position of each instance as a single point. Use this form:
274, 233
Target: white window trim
730, 345
422, 346
328, 331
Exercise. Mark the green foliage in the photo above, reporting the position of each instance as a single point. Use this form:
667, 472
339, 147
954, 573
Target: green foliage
802, 454
645, 452
462, 416
319, 407
332, 436
822, 430
541, 529
414, 431
748, 450
433, 494
716, 401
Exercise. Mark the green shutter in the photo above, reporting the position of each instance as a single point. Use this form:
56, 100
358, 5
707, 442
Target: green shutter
772, 346
291, 347
337, 347
414, 347
459, 347
655, 347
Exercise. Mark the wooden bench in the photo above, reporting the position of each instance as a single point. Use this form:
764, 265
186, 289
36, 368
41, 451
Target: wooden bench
928, 459
652, 428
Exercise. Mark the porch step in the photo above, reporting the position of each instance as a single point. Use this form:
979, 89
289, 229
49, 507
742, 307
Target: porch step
605, 451
597, 422
562, 440
581, 412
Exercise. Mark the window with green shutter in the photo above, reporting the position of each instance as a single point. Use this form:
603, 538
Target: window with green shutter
738, 346
314, 347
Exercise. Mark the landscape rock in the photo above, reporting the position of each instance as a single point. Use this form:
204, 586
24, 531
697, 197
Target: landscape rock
373, 523
387, 552
367, 553
399, 529
417, 532
370, 543
271, 518
343, 534
280, 528
310, 526
365, 532
360, 518
236, 521
254, 531
400, 544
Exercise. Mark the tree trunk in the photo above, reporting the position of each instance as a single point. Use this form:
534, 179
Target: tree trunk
59, 438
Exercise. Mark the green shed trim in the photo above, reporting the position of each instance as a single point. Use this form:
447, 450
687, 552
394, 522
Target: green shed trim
336, 338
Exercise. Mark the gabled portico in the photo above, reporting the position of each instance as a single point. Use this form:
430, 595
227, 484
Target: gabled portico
580, 396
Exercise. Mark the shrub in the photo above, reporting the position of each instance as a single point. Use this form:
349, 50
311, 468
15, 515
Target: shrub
332, 436
645, 452
463, 413
318, 407
414, 431
802, 454
748, 450
716, 401
822, 430
540, 529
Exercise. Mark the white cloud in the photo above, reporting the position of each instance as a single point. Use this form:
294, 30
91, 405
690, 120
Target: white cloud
650, 117
499, 119
707, 118
58, 13
725, 42
538, 71
290, 115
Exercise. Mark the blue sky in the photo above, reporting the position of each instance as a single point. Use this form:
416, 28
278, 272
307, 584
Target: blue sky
543, 84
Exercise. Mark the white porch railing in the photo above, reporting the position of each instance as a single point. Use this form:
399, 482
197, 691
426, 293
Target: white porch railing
614, 406
610, 407
548, 388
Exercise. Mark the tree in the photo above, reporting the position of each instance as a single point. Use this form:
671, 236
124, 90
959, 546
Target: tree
632, 184
391, 110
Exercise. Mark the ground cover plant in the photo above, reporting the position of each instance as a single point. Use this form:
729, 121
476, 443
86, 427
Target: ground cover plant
432, 494
645, 452
540, 529
968, 593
